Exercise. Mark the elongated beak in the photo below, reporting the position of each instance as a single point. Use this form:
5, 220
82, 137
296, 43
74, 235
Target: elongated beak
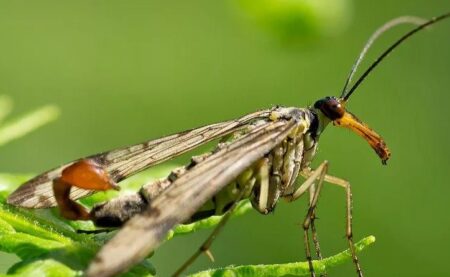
351, 122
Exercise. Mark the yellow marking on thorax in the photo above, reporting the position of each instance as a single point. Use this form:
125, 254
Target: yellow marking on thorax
274, 115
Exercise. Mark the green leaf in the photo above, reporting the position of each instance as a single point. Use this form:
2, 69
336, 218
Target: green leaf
296, 269
27, 246
183, 229
36, 224
48, 268
5, 227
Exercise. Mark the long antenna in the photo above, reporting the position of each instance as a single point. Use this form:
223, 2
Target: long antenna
390, 49
387, 26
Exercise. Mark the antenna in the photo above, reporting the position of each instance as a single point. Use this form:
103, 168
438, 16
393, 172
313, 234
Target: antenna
387, 26
386, 52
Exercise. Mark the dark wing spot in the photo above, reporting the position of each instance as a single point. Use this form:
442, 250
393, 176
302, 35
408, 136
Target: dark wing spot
44, 201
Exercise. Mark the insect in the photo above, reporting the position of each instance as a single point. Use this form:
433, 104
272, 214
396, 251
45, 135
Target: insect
260, 156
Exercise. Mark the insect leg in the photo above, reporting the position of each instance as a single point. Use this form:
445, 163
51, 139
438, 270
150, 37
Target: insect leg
204, 248
315, 237
349, 231
310, 179
320, 173
263, 180
260, 176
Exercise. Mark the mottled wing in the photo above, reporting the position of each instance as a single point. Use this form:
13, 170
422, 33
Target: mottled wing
123, 162
144, 232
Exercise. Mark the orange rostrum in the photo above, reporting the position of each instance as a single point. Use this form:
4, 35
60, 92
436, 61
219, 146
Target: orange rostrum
350, 121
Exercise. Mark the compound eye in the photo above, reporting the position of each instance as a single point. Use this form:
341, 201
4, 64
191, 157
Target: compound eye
333, 109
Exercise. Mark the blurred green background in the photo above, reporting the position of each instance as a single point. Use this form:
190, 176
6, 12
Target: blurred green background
124, 72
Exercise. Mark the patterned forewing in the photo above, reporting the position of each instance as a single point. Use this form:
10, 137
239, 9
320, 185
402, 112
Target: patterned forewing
123, 162
184, 197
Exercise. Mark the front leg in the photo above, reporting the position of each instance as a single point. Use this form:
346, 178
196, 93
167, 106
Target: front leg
307, 173
315, 191
315, 238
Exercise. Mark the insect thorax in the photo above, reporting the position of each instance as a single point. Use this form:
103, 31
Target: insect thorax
268, 179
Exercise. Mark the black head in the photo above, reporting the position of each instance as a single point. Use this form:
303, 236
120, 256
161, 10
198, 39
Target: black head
331, 107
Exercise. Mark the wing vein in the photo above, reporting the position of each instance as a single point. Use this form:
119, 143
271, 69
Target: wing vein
121, 163
184, 197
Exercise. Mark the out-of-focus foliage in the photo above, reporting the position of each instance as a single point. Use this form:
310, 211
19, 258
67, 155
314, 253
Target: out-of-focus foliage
299, 20
18, 127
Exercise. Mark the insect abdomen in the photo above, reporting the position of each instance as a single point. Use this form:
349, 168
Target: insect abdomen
116, 212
